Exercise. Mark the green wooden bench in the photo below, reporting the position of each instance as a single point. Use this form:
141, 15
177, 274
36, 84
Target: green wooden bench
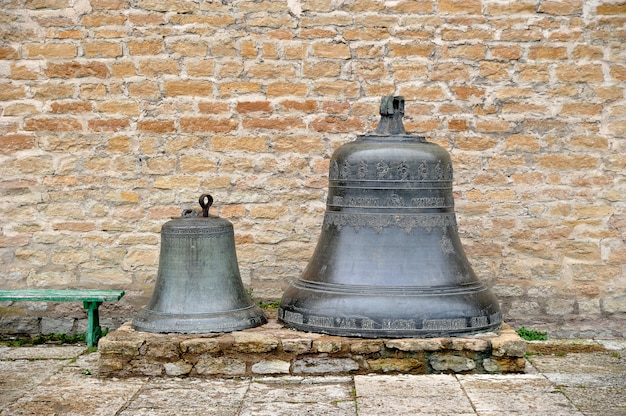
91, 299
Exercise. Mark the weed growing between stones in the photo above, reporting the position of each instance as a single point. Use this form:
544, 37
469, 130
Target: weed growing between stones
269, 304
58, 339
532, 334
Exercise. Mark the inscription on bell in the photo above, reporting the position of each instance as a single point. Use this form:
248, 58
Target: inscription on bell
322, 321
345, 323
392, 201
294, 317
478, 321
406, 324
396, 200
429, 202
444, 324
368, 324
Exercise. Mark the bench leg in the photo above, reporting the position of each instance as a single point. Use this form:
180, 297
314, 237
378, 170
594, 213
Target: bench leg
93, 323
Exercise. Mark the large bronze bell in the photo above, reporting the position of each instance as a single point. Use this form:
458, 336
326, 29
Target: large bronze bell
198, 286
389, 261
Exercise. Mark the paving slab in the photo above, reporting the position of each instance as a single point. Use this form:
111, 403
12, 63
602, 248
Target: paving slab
71, 390
437, 394
18, 377
613, 344
594, 382
589, 363
286, 396
86, 364
42, 352
528, 394
597, 401
57, 380
188, 397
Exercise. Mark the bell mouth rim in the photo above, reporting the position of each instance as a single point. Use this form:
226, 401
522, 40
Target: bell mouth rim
393, 333
218, 321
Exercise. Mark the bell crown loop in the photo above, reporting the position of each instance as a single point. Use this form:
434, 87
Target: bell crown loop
391, 113
198, 222
205, 201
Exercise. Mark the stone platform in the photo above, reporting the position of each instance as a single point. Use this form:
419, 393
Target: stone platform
272, 349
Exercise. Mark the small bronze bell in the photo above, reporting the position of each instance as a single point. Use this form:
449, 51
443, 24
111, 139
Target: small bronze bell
389, 261
198, 285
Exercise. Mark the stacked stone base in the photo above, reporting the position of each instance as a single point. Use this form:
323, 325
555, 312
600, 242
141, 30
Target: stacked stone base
274, 350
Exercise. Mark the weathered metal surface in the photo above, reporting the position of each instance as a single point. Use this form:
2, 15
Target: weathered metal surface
389, 261
198, 287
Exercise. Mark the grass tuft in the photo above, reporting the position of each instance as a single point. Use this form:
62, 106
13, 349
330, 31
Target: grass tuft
532, 334
45, 339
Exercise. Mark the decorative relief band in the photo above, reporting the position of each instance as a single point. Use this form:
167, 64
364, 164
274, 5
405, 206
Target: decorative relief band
392, 324
380, 221
396, 171
196, 232
392, 201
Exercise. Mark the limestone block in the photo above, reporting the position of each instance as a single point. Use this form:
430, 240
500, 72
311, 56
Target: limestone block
271, 367
449, 362
504, 365
111, 365
297, 345
108, 346
221, 365
614, 304
327, 344
314, 365
162, 347
415, 344
251, 342
200, 346
366, 346
470, 344
508, 344
400, 365
145, 368
177, 368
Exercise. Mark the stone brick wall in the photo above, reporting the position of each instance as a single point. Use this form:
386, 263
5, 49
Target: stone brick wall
116, 114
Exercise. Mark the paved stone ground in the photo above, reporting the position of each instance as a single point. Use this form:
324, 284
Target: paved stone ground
50, 380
